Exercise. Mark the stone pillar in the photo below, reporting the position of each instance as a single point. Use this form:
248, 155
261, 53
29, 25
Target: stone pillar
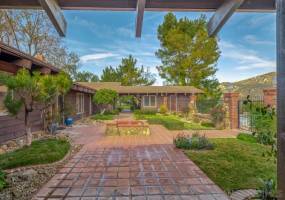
232, 99
269, 97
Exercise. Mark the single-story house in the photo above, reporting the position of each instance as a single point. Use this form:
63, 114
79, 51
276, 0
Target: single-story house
176, 98
11, 60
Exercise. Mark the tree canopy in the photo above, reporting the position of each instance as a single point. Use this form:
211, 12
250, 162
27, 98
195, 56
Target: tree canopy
187, 53
128, 73
105, 97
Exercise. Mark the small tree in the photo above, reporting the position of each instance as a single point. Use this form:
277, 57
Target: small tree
50, 88
105, 97
26, 90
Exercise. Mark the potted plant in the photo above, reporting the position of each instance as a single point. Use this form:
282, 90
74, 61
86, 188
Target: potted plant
69, 112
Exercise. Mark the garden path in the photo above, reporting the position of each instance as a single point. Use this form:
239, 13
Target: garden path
128, 167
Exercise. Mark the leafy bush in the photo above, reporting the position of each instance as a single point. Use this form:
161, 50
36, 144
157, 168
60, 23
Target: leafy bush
198, 142
163, 109
145, 112
208, 124
103, 117
263, 121
105, 97
268, 190
247, 137
3, 182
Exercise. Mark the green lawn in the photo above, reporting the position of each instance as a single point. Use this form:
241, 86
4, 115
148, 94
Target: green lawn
103, 117
171, 122
40, 152
235, 164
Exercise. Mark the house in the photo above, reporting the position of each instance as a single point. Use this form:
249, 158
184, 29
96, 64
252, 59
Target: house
11, 60
176, 98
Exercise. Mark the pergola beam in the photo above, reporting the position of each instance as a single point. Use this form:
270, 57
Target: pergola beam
139, 20
55, 14
222, 15
153, 5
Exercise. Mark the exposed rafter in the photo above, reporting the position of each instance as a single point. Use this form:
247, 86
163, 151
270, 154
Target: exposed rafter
222, 14
139, 20
151, 5
55, 14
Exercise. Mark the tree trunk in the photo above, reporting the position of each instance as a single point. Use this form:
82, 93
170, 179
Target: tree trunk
28, 128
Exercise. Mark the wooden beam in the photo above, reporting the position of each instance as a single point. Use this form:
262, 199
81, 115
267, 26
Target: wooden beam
222, 15
8, 67
56, 16
23, 63
153, 5
139, 20
280, 38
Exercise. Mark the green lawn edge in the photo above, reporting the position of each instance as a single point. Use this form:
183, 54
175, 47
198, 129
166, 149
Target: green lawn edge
235, 164
39, 152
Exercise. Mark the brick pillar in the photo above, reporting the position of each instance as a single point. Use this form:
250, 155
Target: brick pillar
232, 100
269, 97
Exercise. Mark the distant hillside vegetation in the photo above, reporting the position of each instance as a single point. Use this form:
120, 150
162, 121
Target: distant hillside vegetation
253, 86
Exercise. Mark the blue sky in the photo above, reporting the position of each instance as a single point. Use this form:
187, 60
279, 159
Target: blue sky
101, 38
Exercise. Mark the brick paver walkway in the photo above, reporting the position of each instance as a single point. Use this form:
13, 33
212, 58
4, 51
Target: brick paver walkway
135, 167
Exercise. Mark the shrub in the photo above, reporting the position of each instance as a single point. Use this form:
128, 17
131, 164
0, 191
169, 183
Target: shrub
145, 112
208, 124
247, 137
183, 141
265, 138
267, 191
3, 182
163, 109
263, 121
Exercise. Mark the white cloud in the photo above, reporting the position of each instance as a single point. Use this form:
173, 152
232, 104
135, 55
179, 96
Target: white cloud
96, 56
253, 40
245, 58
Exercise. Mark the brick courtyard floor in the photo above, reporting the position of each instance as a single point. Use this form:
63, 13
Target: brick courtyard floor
134, 167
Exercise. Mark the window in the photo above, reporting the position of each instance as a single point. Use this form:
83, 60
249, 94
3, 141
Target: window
80, 103
149, 101
3, 91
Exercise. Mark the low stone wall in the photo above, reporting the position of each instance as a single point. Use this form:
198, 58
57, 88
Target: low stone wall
19, 142
128, 127
199, 117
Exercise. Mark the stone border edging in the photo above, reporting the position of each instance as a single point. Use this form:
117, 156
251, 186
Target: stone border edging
243, 194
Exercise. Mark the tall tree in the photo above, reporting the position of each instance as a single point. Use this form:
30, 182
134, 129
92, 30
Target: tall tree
86, 77
32, 32
110, 74
128, 73
188, 54
132, 75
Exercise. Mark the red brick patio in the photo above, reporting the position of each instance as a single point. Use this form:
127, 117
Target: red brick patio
134, 167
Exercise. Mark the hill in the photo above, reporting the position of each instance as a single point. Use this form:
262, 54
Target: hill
253, 86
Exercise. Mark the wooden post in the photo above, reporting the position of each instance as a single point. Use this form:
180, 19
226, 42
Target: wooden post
280, 38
